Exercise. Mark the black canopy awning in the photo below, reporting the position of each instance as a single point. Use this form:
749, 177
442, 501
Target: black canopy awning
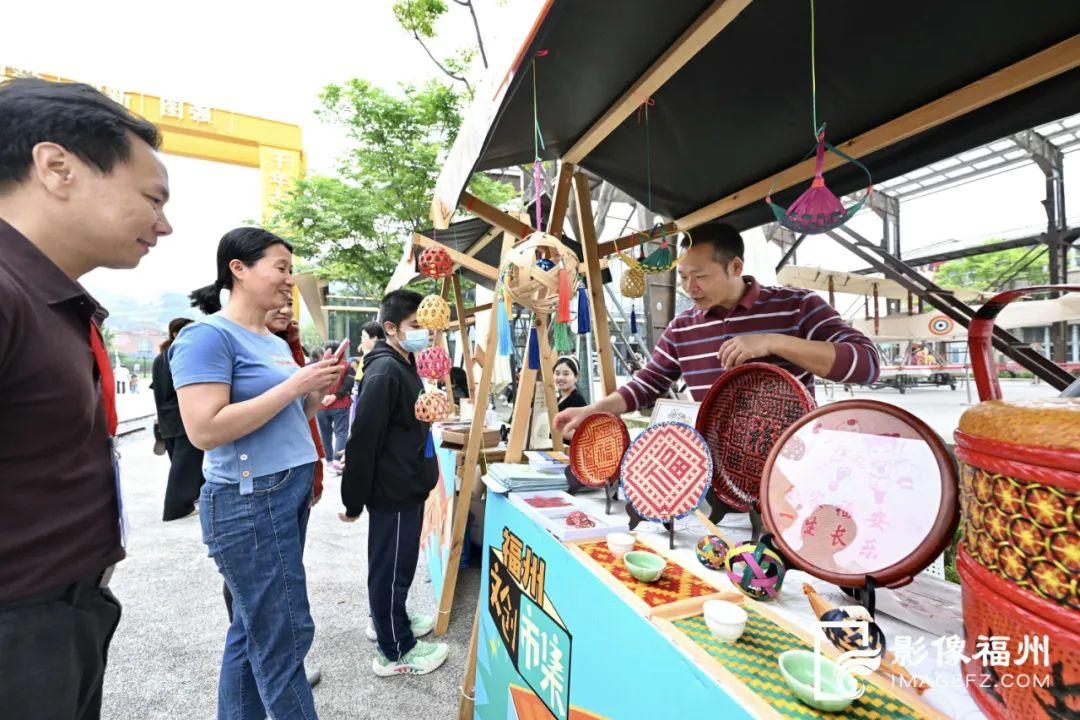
739, 110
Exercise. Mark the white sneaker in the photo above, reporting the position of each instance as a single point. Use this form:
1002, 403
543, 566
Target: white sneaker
422, 659
421, 625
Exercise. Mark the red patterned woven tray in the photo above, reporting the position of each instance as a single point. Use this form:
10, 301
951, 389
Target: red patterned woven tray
666, 471
597, 449
676, 583
746, 411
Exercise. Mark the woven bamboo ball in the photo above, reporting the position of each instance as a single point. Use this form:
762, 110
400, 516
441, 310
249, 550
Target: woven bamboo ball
433, 363
756, 570
433, 313
632, 284
711, 551
432, 406
850, 638
435, 262
532, 284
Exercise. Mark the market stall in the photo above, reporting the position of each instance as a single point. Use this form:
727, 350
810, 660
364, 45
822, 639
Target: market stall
677, 105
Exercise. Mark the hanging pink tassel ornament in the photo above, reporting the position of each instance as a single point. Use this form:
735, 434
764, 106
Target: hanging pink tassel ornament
818, 210
562, 314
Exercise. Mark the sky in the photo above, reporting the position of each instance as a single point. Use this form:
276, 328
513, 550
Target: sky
271, 59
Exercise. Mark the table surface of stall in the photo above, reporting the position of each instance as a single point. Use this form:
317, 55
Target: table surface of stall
566, 632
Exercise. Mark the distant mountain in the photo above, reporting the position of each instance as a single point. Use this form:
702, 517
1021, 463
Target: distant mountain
129, 314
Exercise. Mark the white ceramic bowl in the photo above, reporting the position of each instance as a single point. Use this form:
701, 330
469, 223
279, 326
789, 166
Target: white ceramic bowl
620, 543
725, 620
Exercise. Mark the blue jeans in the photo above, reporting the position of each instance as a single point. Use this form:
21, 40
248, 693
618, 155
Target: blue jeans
257, 541
333, 431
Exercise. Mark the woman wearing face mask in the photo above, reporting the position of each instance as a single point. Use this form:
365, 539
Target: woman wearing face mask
246, 403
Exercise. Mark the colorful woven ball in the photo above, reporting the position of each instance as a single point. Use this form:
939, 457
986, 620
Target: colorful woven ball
433, 363
756, 570
850, 638
435, 262
432, 406
632, 284
532, 285
433, 313
712, 552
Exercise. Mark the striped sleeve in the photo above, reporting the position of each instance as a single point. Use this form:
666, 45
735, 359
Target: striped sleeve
857, 360
655, 378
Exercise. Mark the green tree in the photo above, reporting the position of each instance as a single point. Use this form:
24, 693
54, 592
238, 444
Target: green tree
992, 270
350, 227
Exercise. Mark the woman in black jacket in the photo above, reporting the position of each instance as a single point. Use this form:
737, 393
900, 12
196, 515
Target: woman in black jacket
185, 469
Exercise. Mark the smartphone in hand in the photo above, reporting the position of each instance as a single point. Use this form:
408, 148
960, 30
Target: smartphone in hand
339, 354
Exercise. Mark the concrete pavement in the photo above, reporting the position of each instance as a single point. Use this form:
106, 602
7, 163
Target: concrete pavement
165, 656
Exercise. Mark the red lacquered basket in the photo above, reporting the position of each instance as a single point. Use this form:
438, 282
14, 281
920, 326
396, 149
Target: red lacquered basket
1020, 517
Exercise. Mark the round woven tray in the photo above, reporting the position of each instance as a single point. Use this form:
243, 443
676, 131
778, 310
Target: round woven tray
597, 449
666, 471
746, 411
857, 489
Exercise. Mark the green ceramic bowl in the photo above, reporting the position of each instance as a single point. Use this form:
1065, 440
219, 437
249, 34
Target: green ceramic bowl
839, 688
644, 566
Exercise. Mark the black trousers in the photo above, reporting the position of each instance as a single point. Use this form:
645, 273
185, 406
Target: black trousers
185, 477
53, 651
393, 550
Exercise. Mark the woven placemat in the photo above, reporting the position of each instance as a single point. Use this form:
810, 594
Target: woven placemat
676, 584
753, 659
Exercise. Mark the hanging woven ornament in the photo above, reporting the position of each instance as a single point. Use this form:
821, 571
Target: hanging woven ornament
432, 406
534, 349
502, 315
435, 262
433, 313
818, 210
433, 363
530, 285
584, 320
632, 284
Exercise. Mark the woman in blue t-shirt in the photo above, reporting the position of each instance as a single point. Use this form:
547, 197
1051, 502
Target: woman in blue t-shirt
246, 403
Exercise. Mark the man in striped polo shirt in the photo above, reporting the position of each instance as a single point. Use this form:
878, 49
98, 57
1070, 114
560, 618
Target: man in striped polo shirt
735, 320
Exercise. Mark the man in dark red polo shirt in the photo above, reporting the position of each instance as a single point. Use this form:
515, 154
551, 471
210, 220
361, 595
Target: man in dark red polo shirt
735, 320
80, 188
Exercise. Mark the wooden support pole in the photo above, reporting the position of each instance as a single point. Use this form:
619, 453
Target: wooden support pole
442, 340
628, 242
468, 472
1052, 61
706, 27
561, 201
547, 373
494, 216
467, 702
465, 261
832, 292
463, 331
877, 313
478, 309
523, 402
587, 238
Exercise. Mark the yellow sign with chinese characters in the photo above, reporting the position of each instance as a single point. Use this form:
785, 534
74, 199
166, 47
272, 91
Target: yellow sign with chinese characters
206, 133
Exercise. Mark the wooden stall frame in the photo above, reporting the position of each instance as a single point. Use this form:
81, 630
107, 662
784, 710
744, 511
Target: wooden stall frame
468, 469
